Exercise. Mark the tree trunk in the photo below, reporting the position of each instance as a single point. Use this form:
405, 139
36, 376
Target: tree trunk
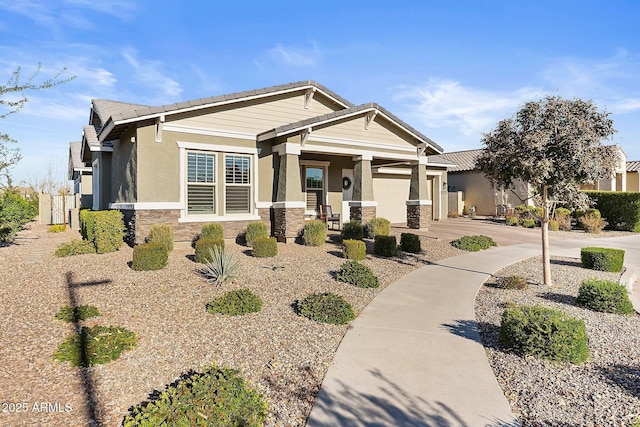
546, 260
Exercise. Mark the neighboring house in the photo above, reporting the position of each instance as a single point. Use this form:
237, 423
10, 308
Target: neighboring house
272, 154
618, 182
80, 173
633, 176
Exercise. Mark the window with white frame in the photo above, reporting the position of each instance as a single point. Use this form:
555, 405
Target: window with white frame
237, 184
201, 183
314, 187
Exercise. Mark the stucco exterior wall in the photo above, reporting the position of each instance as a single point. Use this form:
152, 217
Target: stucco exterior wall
158, 166
478, 192
633, 181
124, 169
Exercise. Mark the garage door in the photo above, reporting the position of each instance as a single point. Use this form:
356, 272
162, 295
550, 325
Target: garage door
391, 192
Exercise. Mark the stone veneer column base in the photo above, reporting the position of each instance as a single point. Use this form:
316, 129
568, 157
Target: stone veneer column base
287, 223
363, 214
418, 214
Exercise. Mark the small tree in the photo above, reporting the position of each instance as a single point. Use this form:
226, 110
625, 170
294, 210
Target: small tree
554, 145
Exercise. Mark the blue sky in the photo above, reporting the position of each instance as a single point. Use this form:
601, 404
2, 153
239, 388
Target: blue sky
451, 69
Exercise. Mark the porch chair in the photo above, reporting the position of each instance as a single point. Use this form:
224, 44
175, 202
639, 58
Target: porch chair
327, 216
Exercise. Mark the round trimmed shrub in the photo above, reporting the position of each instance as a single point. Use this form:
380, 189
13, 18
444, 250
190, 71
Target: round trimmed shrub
554, 225
217, 397
377, 227
149, 256
315, 233
602, 259
235, 303
264, 247
410, 243
326, 308
511, 220
95, 345
528, 223
385, 246
352, 230
255, 230
604, 296
544, 333
354, 249
358, 275
202, 248
473, 243
212, 231
161, 233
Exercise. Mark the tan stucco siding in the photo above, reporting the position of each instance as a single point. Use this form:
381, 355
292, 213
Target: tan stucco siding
124, 169
478, 192
266, 165
255, 117
158, 167
377, 132
633, 181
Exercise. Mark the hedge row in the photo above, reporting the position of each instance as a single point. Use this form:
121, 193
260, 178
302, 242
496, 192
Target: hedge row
621, 209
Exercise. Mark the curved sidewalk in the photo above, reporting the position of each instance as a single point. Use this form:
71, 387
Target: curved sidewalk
414, 356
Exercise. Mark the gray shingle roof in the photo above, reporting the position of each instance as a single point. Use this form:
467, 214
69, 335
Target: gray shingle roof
465, 160
75, 149
438, 159
633, 166
105, 108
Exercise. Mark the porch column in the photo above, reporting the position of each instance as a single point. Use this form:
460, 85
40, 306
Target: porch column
419, 204
363, 206
289, 206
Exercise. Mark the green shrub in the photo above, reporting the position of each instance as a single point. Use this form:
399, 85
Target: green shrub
217, 397
212, 231
204, 245
108, 231
75, 247
592, 211
528, 223
220, 265
511, 220
235, 303
602, 259
592, 222
57, 228
149, 256
562, 212
386, 246
563, 216
358, 275
522, 211
604, 296
15, 209
410, 243
95, 345
326, 308
512, 282
8, 232
315, 233
354, 249
161, 233
621, 209
352, 230
87, 219
473, 243
377, 227
545, 333
255, 230
554, 225
264, 247
75, 314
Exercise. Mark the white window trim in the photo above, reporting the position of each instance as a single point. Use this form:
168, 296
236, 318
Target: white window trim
324, 165
251, 183
215, 183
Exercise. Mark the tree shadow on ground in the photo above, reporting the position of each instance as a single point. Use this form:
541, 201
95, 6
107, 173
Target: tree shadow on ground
481, 332
559, 298
389, 405
625, 377
85, 374
568, 263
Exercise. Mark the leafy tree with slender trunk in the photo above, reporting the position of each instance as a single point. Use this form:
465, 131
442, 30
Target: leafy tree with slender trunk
554, 145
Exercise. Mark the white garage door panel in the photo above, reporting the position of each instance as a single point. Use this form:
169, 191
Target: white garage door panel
391, 193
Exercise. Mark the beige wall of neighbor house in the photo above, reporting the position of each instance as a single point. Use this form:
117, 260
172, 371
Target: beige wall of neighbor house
86, 190
478, 192
633, 181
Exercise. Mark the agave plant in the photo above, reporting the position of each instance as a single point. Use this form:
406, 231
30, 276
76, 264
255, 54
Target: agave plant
221, 266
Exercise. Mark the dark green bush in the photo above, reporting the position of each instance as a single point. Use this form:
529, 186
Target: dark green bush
108, 231
386, 246
264, 247
545, 333
410, 243
377, 227
161, 233
554, 225
357, 274
604, 296
602, 259
149, 256
512, 282
235, 303
621, 209
354, 249
255, 230
473, 243
87, 219
511, 220
326, 308
75, 247
315, 233
15, 211
203, 246
95, 345
217, 397
212, 231
75, 314
352, 230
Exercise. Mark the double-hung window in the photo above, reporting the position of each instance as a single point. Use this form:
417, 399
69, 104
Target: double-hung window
237, 184
201, 183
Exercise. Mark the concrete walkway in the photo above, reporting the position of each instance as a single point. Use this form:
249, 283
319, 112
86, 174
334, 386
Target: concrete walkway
414, 355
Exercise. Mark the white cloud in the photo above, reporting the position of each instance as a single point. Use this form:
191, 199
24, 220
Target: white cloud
297, 56
150, 72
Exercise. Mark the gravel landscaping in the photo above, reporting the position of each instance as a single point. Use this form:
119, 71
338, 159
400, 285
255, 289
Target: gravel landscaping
605, 391
283, 355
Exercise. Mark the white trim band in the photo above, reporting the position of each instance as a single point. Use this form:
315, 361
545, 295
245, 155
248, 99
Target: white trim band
147, 206
210, 132
290, 205
363, 204
419, 202
216, 148
227, 218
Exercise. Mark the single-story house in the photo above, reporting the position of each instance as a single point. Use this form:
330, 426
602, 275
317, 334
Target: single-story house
80, 173
274, 155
